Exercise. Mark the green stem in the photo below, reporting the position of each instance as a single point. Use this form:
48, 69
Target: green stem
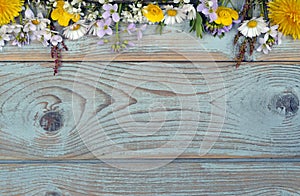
117, 24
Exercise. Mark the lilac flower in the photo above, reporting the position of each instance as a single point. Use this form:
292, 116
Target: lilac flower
264, 46
21, 39
111, 10
55, 39
140, 31
132, 27
104, 28
208, 8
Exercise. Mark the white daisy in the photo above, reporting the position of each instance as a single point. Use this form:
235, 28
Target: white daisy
190, 10
75, 31
35, 23
173, 15
254, 27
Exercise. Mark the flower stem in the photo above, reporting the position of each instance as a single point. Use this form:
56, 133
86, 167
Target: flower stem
117, 23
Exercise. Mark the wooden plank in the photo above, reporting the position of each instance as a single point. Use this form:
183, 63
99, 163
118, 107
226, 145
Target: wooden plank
148, 109
187, 178
175, 44
287, 51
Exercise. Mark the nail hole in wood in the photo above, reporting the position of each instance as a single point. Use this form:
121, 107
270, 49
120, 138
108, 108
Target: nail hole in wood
287, 103
51, 121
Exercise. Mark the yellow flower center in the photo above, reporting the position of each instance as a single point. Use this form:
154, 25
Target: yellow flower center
252, 24
172, 12
35, 22
76, 27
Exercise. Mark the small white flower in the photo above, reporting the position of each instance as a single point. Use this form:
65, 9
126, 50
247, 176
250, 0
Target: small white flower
264, 46
42, 36
184, 1
105, 1
75, 31
55, 39
92, 16
14, 28
272, 31
135, 15
173, 15
190, 10
254, 27
4, 37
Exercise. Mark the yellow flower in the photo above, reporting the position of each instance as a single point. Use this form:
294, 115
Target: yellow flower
225, 15
153, 13
286, 14
9, 10
62, 16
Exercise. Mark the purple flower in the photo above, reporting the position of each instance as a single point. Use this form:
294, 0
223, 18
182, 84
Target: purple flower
208, 8
104, 28
111, 10
132, 27
140, 31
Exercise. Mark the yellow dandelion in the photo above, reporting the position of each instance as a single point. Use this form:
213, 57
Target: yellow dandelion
153, 13
286, 14
62, 16
9, 10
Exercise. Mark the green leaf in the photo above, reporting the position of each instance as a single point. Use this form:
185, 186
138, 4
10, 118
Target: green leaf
197, 25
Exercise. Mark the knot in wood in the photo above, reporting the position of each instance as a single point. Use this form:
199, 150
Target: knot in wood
287, 103
52, 193
51, 121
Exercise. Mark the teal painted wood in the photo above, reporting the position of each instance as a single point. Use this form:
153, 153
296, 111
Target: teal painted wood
173, 179
175, 44
175, 39
139, 107
146, 84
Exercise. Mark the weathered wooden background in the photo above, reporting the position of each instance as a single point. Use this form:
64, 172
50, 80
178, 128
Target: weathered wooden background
171, 98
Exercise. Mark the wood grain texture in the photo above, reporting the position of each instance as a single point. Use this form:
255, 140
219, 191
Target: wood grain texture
153, 47
150, 110
172, 179
175, 44
287, 51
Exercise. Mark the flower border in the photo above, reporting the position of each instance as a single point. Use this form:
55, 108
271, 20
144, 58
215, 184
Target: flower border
52, 21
